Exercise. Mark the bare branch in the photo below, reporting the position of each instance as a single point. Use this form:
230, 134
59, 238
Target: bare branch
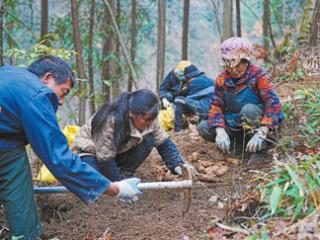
123, 46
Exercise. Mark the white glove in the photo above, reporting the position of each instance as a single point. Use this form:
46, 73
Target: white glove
128, 190
166, 103
222, 140
178, 169
258, 142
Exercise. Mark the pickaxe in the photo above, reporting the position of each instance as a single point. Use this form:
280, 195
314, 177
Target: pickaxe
185, 184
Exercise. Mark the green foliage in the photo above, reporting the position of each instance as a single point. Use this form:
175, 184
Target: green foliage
310, 128
294, 76
261, 235
303, 120
284, 14
22, 58
290, 70
292, 190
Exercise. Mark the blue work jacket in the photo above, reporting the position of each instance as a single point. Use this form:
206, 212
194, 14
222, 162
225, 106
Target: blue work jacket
27, 115
171, 86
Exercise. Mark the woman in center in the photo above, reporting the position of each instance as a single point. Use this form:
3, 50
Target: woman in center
120, 136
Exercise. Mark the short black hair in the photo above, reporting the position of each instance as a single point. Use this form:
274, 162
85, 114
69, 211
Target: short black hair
60, 70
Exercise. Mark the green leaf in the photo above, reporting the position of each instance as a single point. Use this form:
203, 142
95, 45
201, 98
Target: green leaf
295, 179
312, 184
254, 237
264, 233
107, 82
277, 181
318, 164
297, 211
275, 198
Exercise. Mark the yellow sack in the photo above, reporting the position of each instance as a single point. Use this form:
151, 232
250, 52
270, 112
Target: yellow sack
70, 131
166, 118
44, 174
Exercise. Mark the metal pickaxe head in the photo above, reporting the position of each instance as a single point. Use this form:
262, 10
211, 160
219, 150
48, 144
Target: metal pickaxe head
187, 192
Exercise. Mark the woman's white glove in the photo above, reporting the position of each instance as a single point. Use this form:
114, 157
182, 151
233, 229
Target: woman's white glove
258, 142
166, 103
128, 190
222, 140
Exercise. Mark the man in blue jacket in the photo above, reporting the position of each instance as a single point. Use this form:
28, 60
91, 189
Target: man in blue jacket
29, 99
189, 90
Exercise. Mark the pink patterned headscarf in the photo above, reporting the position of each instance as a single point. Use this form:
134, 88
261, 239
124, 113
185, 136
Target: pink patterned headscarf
234, 49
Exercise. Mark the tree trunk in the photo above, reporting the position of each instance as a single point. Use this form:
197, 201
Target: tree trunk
106, 76
217, 17
1, 34
306, 23
161, 41
79, 60
90, 58
115, 69
238, 18
266, 27
122, 44
315, 29
185, 29
44, 18
10, 28
227, 19
106, 51
133, 39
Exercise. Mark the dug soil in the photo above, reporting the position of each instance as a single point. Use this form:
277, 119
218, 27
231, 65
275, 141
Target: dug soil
158, 213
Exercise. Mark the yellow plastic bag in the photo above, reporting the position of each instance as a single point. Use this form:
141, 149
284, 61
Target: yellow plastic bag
166, 118
44, 174
70, 131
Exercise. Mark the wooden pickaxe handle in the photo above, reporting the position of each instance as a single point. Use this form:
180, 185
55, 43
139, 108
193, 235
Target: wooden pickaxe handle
143, 186
166, 185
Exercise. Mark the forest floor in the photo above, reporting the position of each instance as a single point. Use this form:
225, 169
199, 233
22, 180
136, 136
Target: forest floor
158, 213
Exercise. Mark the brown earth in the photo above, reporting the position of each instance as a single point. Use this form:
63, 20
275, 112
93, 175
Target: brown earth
287, 88
158, 213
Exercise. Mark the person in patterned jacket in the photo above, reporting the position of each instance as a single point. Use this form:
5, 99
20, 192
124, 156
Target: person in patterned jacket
243, 96
120, 136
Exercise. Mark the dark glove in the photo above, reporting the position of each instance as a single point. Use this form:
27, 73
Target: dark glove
170, 155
